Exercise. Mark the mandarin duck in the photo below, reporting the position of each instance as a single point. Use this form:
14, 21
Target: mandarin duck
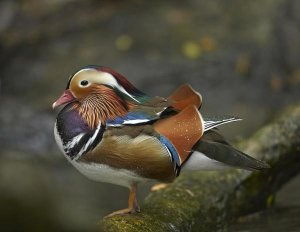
112, 132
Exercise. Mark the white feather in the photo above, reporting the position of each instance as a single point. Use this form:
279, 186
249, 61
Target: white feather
58, 139
73, 142
135, 121
199, 161
210, 124
104, 173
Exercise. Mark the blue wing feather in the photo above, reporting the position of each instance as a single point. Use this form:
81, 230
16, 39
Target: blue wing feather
171, 149
131, 118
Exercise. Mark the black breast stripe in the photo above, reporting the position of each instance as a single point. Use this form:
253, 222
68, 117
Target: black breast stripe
92, 141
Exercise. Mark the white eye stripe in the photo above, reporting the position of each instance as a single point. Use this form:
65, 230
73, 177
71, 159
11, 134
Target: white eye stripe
94, 76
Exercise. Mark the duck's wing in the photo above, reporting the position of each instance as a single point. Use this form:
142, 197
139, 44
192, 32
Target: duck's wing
159, 107
143, 113
136, 151
156, 150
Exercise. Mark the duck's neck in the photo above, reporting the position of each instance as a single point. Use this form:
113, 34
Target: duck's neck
101, 106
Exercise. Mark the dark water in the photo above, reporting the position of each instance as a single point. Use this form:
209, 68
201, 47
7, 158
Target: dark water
278, 219
284, 216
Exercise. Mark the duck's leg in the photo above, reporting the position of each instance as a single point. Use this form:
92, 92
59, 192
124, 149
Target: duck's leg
133, 206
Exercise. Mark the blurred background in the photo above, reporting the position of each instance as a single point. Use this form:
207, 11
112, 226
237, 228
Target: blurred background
243, 56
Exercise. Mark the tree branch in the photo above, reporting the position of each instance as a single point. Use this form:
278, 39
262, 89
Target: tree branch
208, 201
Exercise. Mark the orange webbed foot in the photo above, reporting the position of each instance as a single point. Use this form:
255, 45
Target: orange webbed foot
123, 212
133, 206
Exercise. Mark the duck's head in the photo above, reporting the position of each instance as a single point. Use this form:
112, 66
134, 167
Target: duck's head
99, 93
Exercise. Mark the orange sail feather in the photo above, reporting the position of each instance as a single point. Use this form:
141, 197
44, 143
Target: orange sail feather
184, 96
183, 130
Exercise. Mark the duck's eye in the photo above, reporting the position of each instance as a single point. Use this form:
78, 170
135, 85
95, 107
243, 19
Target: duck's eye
84, 83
